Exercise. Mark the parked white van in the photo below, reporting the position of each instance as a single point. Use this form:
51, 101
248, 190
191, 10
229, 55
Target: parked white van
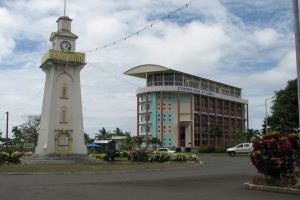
240, 148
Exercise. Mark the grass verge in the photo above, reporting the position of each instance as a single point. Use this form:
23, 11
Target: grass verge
94, 168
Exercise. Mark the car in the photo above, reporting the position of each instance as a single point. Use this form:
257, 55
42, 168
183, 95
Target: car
240, 148
165, 150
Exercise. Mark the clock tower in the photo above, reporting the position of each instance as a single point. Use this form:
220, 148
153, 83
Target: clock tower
61, 127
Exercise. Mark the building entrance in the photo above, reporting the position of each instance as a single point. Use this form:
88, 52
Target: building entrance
182, 136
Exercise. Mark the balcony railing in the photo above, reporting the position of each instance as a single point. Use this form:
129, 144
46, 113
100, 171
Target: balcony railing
72, 57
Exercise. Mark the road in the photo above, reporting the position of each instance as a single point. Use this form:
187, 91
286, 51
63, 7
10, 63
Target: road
221, 177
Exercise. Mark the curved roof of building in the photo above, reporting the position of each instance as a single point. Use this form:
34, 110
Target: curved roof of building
141, 71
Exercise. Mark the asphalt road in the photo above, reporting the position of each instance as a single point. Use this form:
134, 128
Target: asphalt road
220, 178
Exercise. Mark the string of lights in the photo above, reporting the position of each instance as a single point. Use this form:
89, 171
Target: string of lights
132, 34
95, 66
141, 30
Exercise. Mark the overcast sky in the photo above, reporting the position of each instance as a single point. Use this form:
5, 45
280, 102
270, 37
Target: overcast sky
244, 43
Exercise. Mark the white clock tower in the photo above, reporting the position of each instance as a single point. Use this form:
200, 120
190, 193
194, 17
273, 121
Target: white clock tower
61, 129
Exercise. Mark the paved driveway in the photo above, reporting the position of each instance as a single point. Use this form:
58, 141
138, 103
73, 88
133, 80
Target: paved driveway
219, 178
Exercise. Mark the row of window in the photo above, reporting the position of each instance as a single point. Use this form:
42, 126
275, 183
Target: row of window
217, 106
177, 79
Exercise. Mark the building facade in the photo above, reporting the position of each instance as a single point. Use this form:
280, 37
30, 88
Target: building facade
183, 110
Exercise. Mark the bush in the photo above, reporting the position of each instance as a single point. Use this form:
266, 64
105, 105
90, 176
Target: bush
206, 149
178, 149
3, 157
188, 149
160, 156
10, 157
275, 154
220, 149
184, 157
140, 155
124, 154
202, 149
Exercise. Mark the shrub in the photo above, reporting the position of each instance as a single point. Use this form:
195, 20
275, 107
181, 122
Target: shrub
3, 157
202, 149
160, 156
210, 149
188, 149
124, 154
139, 155
275, 154
220, 149
297, 185
10, 157
98, 155
178, 149
184, 157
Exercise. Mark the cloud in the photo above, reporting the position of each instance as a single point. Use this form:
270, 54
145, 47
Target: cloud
266, 37
225, 40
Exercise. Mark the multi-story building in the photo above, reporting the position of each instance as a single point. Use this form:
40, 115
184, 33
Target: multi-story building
183, 110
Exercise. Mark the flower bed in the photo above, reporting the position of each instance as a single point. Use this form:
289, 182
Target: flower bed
11, 157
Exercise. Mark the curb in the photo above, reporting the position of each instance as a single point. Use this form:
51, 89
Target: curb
265, 188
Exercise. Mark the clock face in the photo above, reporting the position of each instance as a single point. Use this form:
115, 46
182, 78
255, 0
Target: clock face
65, 46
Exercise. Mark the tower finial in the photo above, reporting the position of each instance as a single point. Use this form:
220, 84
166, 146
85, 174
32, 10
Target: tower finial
65, 7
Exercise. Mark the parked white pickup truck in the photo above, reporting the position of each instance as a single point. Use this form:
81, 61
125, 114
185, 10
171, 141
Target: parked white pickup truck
240, 148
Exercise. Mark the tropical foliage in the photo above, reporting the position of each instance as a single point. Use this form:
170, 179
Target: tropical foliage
28, 131
284, 118
276, 155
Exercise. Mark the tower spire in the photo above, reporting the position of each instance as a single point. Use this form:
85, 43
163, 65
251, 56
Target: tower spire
65, 6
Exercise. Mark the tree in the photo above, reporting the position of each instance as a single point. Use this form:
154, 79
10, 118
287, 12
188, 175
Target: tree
88, 139
251, 135
284, 118
118, 132
154, 142
103, 134
29, 130
18, 136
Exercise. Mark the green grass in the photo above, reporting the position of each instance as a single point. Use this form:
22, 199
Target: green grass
94, 168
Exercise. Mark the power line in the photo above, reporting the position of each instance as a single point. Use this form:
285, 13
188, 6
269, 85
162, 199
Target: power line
132, 34
141, 30
113, 75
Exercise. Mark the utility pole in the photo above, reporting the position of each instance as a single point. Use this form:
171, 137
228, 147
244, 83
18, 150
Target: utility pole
297, 42
266, 121
6, 140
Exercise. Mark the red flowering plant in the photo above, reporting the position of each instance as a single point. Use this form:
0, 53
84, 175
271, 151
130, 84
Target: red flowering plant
275, 155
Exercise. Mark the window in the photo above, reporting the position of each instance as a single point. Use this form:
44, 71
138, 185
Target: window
64, 91
238, 93
169, 79
231, 92
204, 85
193, 84
204, 104
225, 91
211, 86
63, 115
158, 79
149, 80
178, 79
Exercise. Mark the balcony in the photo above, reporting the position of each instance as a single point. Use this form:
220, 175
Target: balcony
71, 57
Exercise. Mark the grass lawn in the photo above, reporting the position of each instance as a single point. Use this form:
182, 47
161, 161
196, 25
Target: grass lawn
94, 168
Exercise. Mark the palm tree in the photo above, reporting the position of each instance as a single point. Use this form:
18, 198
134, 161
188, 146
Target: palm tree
118, 132
251, 135
154, 141
103, 134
